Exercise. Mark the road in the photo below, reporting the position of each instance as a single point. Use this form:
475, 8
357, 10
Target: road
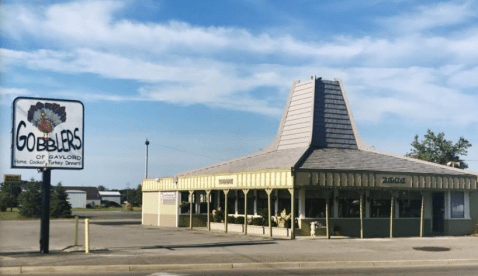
378, 271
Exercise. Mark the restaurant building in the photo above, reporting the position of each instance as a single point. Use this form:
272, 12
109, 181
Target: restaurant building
326, 179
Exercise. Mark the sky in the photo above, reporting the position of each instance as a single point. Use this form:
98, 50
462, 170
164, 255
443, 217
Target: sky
207, 81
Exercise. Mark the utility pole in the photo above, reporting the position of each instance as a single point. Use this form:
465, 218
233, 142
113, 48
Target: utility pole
146, 159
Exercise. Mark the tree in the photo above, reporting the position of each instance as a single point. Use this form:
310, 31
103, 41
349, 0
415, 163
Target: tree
9, 195
133, 196
101, 188
59, 205
435, 148
30, 201
138, 196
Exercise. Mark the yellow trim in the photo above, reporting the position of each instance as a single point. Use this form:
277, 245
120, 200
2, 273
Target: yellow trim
282, 179
276, 178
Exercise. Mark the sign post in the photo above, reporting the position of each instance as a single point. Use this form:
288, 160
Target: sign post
47, 134
45, 211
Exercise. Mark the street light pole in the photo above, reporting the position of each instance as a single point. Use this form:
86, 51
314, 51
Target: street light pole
146, 159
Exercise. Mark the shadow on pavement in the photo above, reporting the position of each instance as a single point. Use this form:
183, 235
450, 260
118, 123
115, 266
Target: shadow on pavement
432, 248
205, 245
50, 253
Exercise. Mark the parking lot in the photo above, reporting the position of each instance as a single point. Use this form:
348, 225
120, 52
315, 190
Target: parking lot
120, 241
108, 215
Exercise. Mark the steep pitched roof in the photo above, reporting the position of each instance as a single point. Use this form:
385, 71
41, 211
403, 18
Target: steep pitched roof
317, 131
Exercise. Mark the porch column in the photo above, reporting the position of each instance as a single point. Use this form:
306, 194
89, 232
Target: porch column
269, 191
218, 199
392, 201
327, 224
361, 214
236, 202
191, 193
197, 203
245, 191
422, 214
336, 203
367, 204
276, 203
292, 213
255, 202
225, 210
208, 193
301, 205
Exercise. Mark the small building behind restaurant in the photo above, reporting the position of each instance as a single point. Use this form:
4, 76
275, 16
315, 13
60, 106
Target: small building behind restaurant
92, 195
76, 198
113, 196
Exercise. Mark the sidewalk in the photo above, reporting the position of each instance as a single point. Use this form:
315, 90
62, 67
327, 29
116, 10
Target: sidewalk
125, 245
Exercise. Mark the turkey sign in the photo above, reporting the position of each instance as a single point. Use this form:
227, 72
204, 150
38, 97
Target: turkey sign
47, 133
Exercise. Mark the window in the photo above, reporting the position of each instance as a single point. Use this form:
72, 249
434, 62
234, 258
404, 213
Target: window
409, 204
380, 208
457, 204
315, 207
409, 208
349, 208
379, 204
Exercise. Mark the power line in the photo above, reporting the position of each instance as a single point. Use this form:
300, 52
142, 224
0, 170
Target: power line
176, 149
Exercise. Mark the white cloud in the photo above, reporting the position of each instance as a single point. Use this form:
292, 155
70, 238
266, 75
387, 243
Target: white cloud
416, 74
432, 16
415, 93
7, 95
465, 78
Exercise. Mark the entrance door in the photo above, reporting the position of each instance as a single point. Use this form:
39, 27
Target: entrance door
438, 202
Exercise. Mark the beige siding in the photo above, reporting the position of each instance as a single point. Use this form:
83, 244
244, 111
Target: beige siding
251, 180
169, 212
283, 179
150, 203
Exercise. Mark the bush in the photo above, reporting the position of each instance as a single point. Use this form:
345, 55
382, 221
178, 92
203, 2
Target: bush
239, 220
262, 220
59, 205
129, 206
257, 221
30, 201
109, 204
217, 215
9, 196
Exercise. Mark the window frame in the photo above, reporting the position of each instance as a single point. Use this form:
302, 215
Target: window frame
466, 205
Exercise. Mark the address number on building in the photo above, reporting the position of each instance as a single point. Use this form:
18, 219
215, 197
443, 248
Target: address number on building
399, 180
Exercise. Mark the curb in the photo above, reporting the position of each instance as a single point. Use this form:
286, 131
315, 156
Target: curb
224, 266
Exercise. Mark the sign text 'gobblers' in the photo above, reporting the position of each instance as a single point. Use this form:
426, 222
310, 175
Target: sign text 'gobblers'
47, 133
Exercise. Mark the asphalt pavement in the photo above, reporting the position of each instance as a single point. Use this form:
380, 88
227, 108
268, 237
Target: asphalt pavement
126, 245
108, 215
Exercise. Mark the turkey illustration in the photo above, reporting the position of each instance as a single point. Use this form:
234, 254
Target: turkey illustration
46, 116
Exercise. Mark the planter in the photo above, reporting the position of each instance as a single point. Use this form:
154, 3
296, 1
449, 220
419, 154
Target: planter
218, 226
251, 229
237, 228
255, 229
